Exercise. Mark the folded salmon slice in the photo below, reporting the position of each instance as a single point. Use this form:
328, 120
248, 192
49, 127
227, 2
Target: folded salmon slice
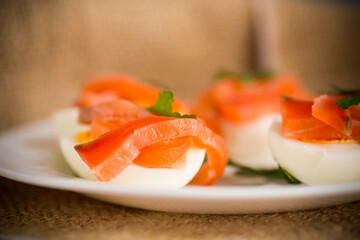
104, 117
108, 89
299, 123
101, 126
118, 109
326, 110
244, 101
167, 154
109, 154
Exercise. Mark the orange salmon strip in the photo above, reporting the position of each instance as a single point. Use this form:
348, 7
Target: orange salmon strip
243, 102
299, 123
100, 126
123, 87
326, 110
113, 151
123, 109
167, 154
355, 116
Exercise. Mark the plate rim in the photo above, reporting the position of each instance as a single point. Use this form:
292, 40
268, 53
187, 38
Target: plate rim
198, 193
263, 192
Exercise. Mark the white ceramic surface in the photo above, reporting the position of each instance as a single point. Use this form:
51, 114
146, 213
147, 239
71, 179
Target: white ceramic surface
30, 154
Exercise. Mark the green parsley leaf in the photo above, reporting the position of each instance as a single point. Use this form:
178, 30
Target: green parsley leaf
226, 74
348, 102
279, 173
288, 176
265, 73
245, 76
338, 90
163, 106
244, 170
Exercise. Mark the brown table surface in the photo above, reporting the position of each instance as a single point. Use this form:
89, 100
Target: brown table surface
30, 212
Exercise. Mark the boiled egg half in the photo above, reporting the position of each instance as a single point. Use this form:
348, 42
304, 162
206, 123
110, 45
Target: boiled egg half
67, 128
247, 143
316, 163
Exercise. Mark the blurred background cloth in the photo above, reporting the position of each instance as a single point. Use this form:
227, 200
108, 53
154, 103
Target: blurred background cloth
48, 48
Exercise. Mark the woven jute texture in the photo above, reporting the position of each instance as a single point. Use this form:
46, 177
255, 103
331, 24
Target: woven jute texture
28, 211
48, 48
320, 42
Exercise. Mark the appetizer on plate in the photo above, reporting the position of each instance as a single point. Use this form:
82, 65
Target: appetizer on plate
317, 141
115, 140
244, 105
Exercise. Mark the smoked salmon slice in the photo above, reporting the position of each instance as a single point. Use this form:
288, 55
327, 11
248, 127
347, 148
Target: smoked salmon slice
101, 126
325, 109
108, 89
118, 109
109, 154
299, 123
243, 101
167, 154
109, 115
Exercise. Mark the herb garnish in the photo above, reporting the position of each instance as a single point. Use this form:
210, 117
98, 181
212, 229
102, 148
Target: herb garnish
288, 176
279, 173
163, 106
245, 76
338, 90
348, 102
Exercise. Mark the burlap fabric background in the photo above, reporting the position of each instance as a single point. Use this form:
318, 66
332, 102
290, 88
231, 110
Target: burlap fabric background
48, 48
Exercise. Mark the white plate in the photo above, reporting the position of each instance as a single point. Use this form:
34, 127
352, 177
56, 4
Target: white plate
30, 154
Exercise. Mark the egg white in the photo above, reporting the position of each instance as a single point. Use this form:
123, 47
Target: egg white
315, 163
67, 128
247, 143
65, 119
